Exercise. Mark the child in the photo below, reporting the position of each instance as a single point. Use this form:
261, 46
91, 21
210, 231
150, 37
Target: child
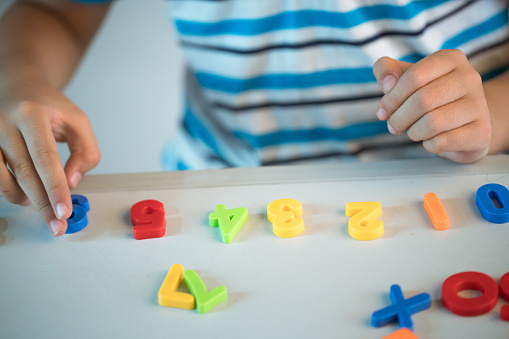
269, 82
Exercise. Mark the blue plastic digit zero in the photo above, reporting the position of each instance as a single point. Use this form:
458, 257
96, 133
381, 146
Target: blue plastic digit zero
485, 197
78, 219
401, 308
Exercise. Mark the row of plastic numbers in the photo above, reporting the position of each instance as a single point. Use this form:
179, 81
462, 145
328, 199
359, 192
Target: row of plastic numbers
148, 216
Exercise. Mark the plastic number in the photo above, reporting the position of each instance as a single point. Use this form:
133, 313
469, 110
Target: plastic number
78, 219
168, 294
363, 224
436, 211
469, 281
230, 221
204, 300
504, 294
147, 217
504, 287
484, 201
284, 215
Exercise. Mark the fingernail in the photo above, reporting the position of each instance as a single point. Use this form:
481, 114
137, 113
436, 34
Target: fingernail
382, 114
391, 129
75, 179
61, 210
55, 226
27, 202
388, 83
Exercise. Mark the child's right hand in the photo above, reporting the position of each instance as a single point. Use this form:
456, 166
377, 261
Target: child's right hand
33, 116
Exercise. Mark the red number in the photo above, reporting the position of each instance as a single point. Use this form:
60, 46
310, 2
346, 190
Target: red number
504, 294
147, 217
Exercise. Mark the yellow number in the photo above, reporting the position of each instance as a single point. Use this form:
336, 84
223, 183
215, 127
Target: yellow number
284, 215
363, 224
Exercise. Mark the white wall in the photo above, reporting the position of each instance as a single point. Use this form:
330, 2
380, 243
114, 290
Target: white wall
130, 85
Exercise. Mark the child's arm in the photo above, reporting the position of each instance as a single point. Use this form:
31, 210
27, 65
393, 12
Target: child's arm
442, 102
41, 44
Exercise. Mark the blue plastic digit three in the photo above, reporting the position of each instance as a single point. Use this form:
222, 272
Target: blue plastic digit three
78, 219
484, 201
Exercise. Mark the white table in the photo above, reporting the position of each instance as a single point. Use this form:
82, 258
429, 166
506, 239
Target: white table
102, 283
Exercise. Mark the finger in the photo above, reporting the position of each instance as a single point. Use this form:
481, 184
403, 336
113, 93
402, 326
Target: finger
387, 71
85, 153
439, 92
468, 141
419, 75
442, 119
9, 187
27, 178
465, 157
43, 151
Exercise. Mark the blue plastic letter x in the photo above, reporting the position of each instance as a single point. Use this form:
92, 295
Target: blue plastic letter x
401, 309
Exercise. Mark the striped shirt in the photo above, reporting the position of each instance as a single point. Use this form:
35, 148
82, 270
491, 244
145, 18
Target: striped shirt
291, 81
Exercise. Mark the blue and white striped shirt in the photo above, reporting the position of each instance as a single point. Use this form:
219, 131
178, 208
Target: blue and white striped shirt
290, 81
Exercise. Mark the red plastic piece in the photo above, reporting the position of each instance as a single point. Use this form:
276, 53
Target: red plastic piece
504, 294
469, 281
147, 217
504, 287
504, 313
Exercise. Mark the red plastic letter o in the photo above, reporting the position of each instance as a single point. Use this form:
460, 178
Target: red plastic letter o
469, 281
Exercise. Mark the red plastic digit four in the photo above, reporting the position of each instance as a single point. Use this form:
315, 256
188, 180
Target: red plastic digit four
147, 217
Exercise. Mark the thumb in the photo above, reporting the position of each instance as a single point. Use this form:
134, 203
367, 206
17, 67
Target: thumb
85, 153
388, 71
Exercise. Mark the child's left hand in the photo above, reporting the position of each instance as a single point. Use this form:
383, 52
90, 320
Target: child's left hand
439, 101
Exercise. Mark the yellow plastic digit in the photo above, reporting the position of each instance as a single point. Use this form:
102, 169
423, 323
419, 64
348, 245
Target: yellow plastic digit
363, 224
284, 215
168, 294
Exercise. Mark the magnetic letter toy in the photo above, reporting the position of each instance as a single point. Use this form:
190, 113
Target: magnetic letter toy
147, 217
230, 221
363, 224
284, 215
78, 219
484, 199
469, 281
401, 309
436, 211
